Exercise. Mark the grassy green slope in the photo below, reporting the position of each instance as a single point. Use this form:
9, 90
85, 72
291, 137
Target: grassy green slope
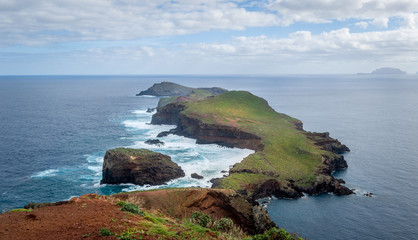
288, 154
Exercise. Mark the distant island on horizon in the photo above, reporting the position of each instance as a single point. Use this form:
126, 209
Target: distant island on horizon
385, 71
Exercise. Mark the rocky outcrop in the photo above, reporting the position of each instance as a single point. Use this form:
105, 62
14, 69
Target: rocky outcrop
324, 184
138, 166
155, 142
174, 89
327, 143
273, 187
196, 176
217, 203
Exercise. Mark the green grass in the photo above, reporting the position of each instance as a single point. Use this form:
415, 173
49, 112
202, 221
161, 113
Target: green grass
133, 152
21, 210
288, 153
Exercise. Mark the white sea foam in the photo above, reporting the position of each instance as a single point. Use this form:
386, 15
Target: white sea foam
146, 96
46, 173
94, 159
207, 160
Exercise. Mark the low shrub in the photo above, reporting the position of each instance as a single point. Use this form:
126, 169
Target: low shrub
132, 208
224, 225
201, 219
275, 234
105, 232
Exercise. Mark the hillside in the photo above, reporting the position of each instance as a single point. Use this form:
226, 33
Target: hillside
190, 213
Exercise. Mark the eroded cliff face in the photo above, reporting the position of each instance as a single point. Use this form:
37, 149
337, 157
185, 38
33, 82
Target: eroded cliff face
230, 136
217, 203
205, 133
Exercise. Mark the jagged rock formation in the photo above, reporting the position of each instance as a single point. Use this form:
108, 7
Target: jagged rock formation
138, 166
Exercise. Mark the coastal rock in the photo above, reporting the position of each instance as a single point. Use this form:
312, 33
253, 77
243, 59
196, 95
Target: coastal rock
155, 142
272, 187
324, 184
196, 176
166, 133
150, 110
138, 166
327, 143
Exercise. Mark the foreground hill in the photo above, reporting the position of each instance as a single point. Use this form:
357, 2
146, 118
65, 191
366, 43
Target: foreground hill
190, 213
288, 160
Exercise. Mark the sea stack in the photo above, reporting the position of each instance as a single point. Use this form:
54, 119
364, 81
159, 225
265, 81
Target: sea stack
138, 166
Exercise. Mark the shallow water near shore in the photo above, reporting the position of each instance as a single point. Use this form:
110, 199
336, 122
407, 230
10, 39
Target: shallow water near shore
55, 130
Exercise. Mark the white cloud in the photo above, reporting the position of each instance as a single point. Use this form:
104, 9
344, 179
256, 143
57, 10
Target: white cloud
302, 46
34, 22
328, 10
362, 24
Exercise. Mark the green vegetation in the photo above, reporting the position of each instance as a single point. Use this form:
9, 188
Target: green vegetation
132, 151
105, 232
129, 207
275, 234
201, 219
21, 210
224, 224
287, 154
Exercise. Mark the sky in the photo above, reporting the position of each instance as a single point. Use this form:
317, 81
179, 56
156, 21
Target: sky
146, 37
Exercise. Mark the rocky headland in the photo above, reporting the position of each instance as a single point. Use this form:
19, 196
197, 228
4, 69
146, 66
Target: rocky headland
288, 161
138, 166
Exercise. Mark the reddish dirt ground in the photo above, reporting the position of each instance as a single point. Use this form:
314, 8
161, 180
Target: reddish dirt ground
81, 218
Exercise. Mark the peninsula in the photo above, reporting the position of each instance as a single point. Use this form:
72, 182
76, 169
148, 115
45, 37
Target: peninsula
288, 161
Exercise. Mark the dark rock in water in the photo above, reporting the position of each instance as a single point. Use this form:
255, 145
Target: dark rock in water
224, 171
150, 110
174, 89
166, 133
156, 142
138, 166
368, 194
196, 176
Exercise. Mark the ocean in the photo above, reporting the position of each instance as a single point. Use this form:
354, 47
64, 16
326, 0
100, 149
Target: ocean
55, 130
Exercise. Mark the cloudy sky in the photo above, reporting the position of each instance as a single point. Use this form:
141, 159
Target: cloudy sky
207, 36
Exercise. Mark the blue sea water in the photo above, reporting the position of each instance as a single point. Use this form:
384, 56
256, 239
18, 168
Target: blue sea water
54, 131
